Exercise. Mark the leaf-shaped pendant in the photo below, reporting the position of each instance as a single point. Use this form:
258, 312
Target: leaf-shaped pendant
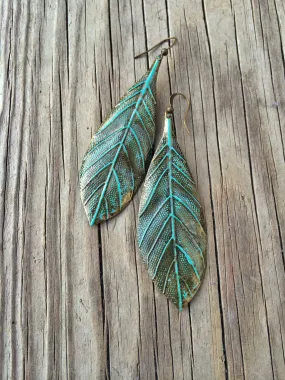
119, 153
171, 237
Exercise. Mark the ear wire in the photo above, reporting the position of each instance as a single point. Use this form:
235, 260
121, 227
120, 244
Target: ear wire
164, 51
170, 109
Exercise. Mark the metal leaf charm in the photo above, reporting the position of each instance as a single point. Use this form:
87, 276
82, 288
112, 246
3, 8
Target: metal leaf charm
116, 161
171, 237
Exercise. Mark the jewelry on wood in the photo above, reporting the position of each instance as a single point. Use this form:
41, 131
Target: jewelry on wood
116, 161
171, 237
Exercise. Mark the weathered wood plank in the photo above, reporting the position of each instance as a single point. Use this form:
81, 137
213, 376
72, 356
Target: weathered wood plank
76, 302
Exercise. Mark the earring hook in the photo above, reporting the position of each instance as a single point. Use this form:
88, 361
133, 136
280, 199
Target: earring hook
169, 110
164, 51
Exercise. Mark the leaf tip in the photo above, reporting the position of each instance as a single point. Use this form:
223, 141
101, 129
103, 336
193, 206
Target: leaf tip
91, 221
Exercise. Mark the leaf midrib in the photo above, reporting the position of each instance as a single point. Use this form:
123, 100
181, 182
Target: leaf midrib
172, 211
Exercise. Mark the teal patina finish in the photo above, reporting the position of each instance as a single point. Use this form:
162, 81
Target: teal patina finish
119, 153
171, 236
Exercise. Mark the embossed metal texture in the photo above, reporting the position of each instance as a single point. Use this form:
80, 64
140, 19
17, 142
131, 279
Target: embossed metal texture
171, 237
119, 153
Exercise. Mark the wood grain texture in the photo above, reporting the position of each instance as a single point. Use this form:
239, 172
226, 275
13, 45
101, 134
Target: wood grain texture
76, 302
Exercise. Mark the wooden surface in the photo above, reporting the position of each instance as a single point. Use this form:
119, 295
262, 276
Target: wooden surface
76, 302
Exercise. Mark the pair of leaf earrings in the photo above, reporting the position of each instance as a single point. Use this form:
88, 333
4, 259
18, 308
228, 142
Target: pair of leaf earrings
171, 237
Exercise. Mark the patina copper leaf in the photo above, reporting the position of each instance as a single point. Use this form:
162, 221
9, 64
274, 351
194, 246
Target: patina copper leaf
117, 159
171, 236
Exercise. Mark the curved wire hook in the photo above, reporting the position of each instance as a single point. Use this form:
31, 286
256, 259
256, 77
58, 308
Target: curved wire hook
170, 109
164, 51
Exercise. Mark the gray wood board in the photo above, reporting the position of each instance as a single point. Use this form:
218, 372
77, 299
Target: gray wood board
76, 301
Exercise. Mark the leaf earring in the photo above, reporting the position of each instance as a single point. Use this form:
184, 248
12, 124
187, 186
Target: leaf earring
171, 237
117, 158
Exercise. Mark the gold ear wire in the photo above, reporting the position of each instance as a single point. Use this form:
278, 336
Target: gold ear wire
164, 51
170, 108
